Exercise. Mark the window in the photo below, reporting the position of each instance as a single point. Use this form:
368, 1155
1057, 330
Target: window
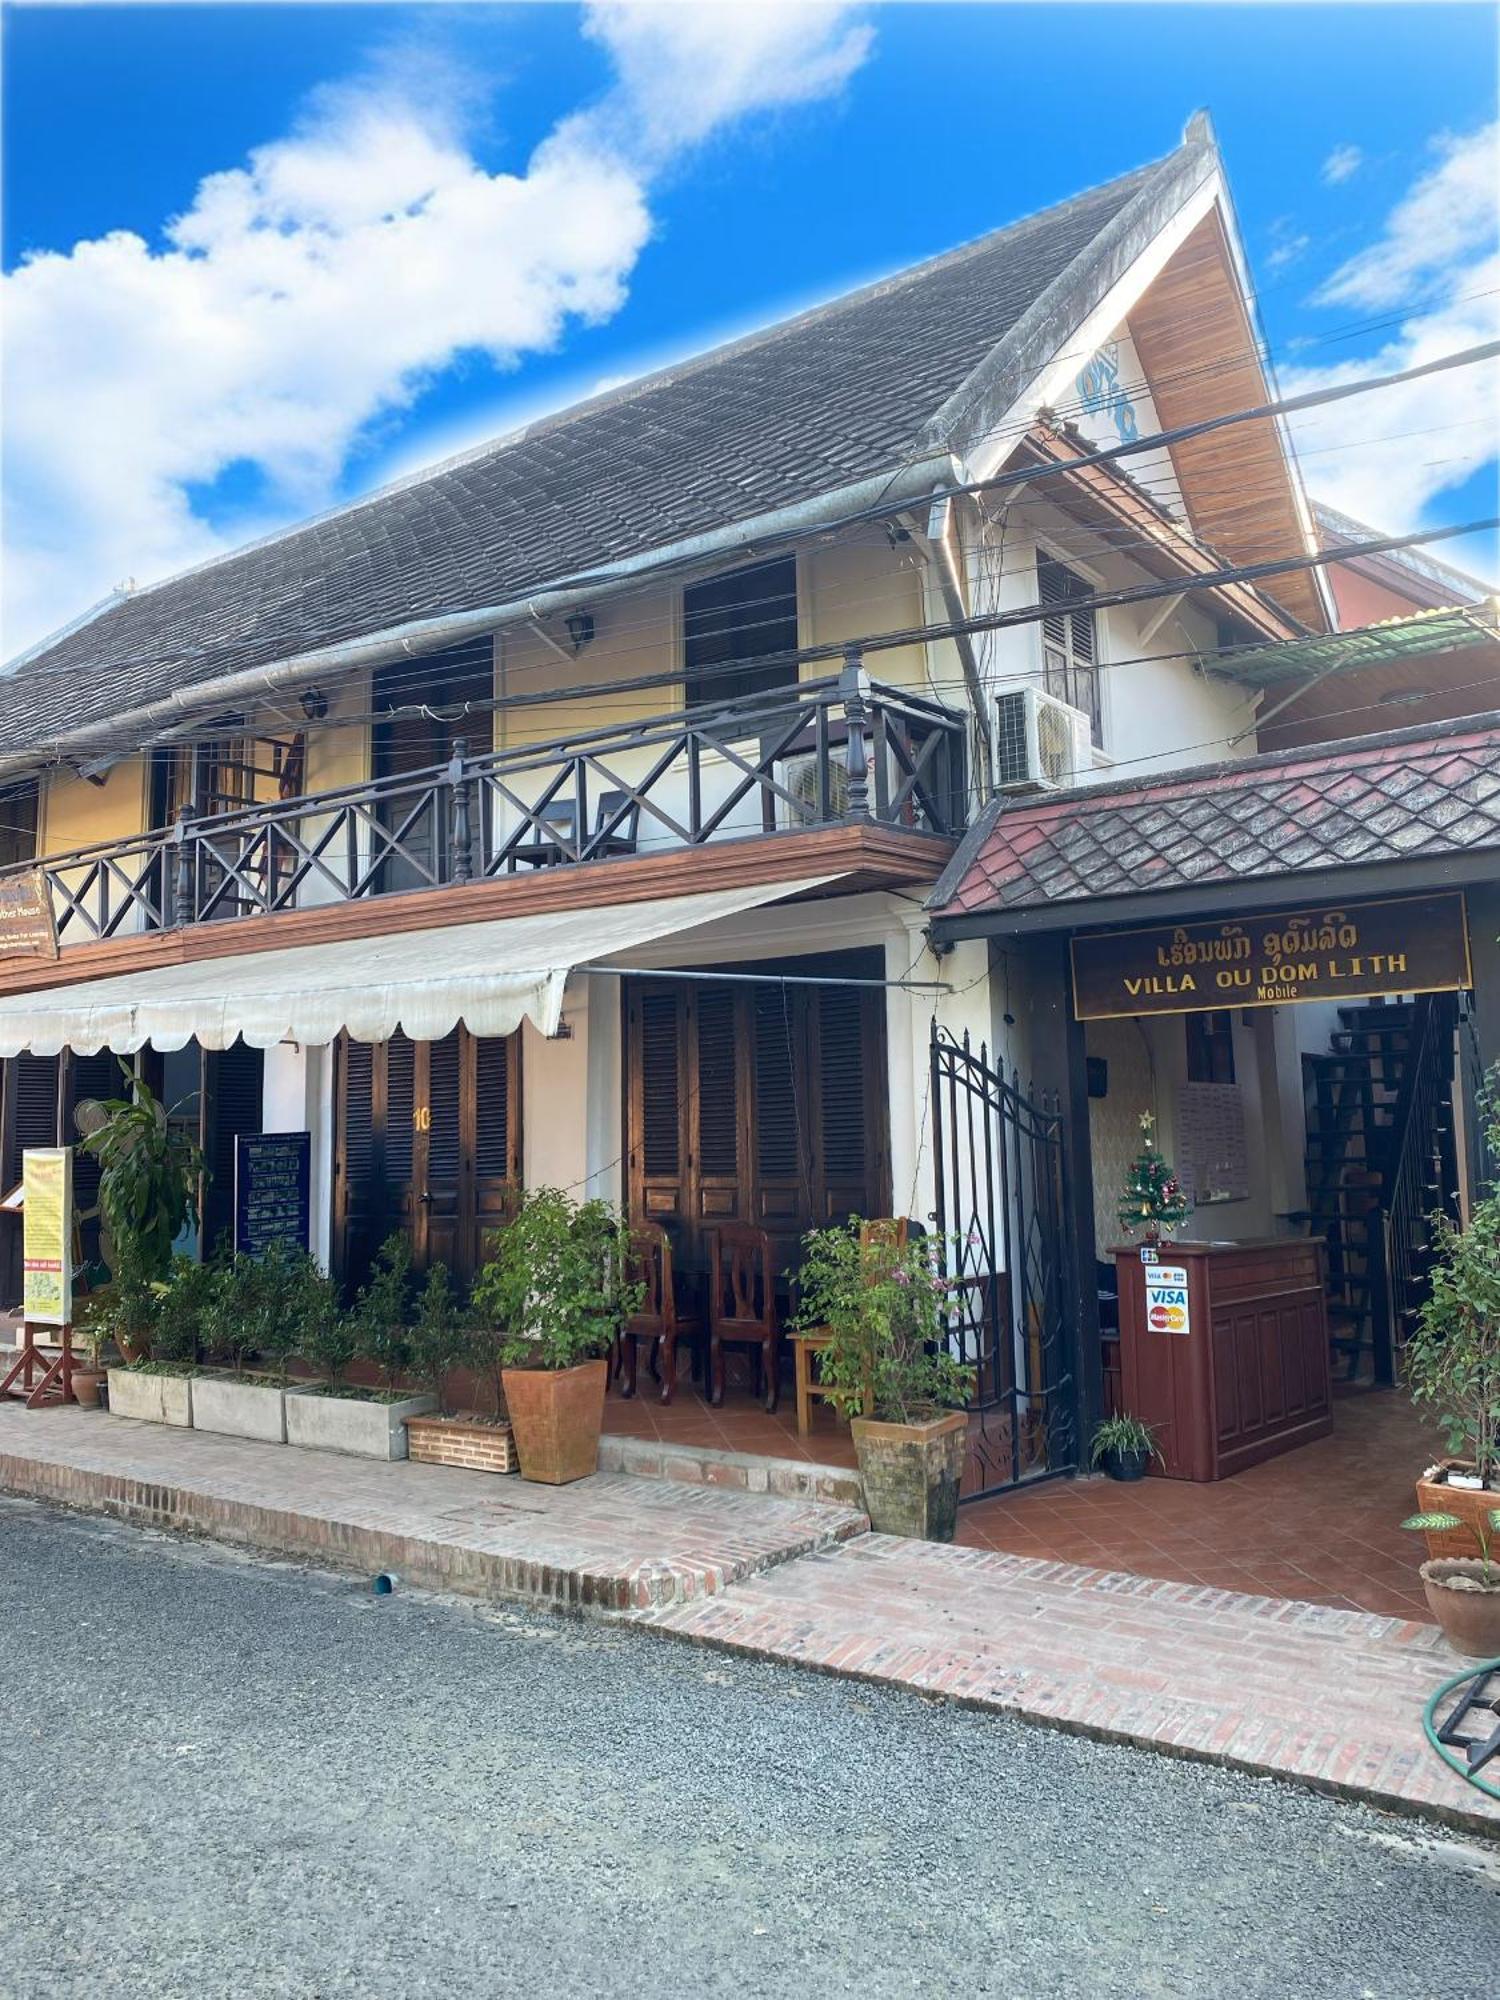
1210, 1047
1069, 670
17, 825
742, 617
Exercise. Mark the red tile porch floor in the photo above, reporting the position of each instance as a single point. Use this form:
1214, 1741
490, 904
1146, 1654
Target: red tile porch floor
1320, 1524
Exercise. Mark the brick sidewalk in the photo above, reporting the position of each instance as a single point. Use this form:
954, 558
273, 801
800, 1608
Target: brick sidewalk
1333, 1698
611, 1543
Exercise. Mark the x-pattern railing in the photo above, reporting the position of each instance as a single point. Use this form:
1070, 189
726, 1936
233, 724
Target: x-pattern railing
828, 752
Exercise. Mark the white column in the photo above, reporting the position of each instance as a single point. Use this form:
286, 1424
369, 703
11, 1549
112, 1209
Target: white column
554, 1099
605, 1108
909, 1018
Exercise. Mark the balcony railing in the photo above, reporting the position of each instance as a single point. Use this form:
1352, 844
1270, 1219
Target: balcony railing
830, 752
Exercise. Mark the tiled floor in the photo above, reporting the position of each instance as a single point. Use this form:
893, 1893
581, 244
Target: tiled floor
1321, 1523
739, 1424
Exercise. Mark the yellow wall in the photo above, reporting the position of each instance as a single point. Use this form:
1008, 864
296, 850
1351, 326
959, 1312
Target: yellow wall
858, 586
78, 814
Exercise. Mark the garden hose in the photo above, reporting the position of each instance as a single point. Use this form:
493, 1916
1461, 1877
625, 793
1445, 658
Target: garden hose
1444, 1750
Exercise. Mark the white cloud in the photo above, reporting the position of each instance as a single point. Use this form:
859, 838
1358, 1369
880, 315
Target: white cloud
310, 293
1288, 243
1384, 458
1342, 164
1445, 217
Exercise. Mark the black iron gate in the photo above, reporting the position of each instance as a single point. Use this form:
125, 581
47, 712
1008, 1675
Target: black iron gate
1003, 1212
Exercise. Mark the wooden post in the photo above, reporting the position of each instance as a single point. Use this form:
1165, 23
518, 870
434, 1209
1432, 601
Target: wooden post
181, 901
853, 687
461, 837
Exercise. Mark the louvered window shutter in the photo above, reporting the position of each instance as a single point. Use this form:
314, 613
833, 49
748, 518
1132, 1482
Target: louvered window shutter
660, 1085
492, 1093
1068, 641
359, 1110
442, 1099
776, 1109
841, 1083
234, 1080
718, 1098
400, 1102
34, 1082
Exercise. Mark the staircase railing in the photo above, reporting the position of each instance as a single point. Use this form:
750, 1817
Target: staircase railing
1411, 1178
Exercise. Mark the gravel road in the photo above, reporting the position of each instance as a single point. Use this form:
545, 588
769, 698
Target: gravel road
221, 1776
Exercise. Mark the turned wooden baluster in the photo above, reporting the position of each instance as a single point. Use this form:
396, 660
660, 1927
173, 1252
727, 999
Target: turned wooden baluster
461, 835
853, 688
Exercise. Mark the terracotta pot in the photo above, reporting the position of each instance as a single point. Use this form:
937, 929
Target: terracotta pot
86, 1385
1436, 1496
1467, 1608
557, 1415
911, 1474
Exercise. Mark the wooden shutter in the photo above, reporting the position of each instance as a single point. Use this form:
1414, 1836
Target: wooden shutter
358, 1199
658, 1095
83, 1077
233, 1103
496, 1146
400, 1101
846, 1082
29, 1109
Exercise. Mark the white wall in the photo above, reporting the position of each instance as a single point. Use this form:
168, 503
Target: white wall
297, 1096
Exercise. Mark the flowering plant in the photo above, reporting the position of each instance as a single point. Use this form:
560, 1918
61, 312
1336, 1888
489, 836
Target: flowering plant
888, 1312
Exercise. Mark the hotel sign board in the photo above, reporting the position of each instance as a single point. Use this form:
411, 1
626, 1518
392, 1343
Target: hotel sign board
1410, 944
26, 920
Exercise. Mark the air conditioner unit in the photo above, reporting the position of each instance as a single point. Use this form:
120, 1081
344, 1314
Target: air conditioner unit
1041, 744
799, 776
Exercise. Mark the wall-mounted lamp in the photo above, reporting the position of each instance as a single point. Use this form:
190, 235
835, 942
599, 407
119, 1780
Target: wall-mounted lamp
580, 626
314, 704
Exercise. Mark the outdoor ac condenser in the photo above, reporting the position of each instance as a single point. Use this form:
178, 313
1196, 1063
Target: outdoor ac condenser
1041, 744
799, 776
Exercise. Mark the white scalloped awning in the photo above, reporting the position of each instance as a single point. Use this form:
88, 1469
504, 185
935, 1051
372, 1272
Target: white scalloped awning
489, 976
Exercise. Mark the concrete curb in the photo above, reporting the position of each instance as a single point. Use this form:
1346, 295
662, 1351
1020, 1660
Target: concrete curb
741, 1471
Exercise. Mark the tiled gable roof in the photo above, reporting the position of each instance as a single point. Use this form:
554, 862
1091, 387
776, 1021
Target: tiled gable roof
1402, 796
846, 392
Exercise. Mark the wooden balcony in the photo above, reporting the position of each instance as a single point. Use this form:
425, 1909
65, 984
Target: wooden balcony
839, 753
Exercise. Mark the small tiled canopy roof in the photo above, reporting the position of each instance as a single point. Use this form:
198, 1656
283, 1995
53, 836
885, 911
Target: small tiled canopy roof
1432, 793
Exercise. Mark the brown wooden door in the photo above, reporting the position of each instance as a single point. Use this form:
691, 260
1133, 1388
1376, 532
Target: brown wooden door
755, 1103
428, 1144
29, 1115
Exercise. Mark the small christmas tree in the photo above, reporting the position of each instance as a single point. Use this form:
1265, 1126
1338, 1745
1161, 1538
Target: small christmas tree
1152, 1199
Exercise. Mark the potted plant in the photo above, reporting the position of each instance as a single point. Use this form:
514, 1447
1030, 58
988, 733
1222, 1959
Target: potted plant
149, 1172
1452, 1364
158, 1388
558, 1288
254, 1315
331, 1415
1152, 1199
444, 1339
1124, 1447
886, 1310
1464, 1594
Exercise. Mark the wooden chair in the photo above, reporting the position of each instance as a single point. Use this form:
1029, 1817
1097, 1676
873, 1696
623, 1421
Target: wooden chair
659, 1320
742, 1306
892, 1230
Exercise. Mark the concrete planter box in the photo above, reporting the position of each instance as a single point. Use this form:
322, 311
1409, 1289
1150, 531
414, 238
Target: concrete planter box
151, 1399
242, 1409
349, 1424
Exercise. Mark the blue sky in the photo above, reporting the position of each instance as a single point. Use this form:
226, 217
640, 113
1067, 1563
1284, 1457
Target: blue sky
698, 172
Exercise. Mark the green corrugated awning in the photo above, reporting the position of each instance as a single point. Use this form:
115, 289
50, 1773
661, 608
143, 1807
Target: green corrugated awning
1446, 631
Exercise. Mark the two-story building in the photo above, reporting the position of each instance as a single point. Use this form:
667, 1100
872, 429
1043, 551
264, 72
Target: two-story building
617, 806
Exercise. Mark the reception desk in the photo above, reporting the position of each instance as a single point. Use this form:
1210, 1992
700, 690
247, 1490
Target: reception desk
1224, 1351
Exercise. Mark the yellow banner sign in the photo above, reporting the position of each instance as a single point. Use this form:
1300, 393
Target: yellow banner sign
46, 1235
1411, 944
26, 920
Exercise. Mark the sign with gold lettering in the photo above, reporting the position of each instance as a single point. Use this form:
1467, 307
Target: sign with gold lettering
26, 920
46, 1232
1411, 944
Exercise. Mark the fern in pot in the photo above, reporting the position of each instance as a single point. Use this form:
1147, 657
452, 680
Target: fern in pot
1123, 1448
884, 1312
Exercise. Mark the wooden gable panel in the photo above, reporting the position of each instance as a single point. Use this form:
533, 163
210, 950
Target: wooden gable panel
1198, 350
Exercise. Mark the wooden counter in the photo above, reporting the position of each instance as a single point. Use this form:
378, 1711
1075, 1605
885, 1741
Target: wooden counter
1239, 1371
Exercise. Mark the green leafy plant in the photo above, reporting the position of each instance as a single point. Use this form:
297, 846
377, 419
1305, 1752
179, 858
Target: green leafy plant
440, 1334
888, 1313
557, 1289
382, 1311
184, 1312
329, 1337
121, 1315
1452, 1359
1484, 1531
149, 1172
1125, 1436
268, 1309
1152, 1198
